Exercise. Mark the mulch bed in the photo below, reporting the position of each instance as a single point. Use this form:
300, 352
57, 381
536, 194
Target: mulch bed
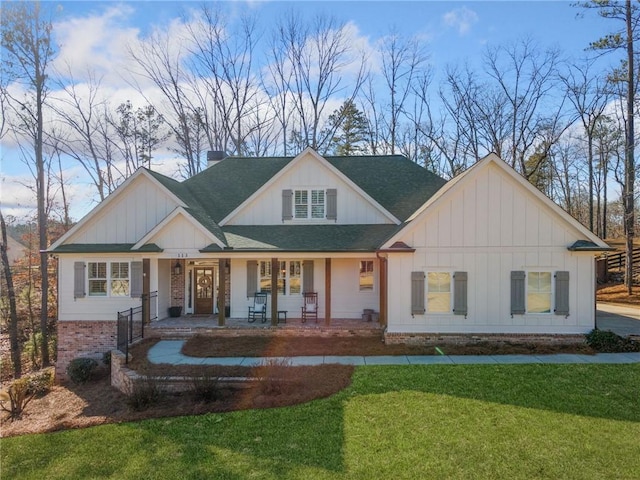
261, 346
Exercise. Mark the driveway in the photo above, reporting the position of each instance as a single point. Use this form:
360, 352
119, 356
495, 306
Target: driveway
623, 320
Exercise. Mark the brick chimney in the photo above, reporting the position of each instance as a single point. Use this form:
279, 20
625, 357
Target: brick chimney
215, 156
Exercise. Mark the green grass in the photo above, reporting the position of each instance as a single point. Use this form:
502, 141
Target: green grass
444, 422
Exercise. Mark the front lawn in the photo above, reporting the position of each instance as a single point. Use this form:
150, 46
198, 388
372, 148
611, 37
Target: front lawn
474, 421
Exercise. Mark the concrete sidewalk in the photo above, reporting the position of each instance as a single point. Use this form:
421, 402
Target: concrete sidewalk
168, 351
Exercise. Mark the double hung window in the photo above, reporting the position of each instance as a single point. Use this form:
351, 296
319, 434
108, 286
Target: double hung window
108, 279
309, 204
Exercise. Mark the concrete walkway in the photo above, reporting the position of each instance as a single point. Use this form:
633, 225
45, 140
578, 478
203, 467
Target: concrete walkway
621, 319
168, 351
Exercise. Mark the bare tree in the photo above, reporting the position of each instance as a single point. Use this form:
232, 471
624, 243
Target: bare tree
13, 313
589, 97
403, 62
28, 50
161, 60
317, 56
623, 39
223, 60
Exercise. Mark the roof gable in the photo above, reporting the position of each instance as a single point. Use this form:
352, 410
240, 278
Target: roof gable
119, 218
307, 170
490, 201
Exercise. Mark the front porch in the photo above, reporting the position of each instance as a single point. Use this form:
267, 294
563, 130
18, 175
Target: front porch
188, 325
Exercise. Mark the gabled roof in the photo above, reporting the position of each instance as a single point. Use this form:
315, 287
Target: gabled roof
492, 158
397, 185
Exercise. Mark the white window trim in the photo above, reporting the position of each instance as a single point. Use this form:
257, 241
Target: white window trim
426, 293
373, 274
552, 299
309, 217
109, 279
287, 276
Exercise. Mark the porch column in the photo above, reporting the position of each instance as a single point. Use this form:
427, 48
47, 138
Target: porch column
275, 267
383, 290
327, 291
222, 288
146, 287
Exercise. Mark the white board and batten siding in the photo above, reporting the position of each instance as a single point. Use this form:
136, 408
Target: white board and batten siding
133, 213
347, 301
309, 173
96, 308
489, 226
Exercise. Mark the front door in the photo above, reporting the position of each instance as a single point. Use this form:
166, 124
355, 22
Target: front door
204, 290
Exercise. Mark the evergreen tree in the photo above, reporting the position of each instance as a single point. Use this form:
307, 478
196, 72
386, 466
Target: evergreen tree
350, 131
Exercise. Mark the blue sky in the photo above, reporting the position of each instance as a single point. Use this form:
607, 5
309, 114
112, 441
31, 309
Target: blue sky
93, 34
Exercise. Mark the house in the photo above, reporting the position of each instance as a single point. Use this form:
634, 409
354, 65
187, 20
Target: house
485, 253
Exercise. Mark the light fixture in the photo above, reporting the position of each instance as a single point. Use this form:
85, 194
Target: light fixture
177, 269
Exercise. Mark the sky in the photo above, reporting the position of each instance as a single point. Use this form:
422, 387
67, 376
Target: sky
94, 34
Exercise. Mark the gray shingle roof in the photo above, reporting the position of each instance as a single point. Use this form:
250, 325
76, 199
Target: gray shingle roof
308, 238
396, 183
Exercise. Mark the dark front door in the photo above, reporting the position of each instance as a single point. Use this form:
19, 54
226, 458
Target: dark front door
204, 291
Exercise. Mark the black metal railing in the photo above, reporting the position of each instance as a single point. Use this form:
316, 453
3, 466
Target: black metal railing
131, 322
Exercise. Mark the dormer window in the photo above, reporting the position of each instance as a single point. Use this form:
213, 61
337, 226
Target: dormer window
308, 204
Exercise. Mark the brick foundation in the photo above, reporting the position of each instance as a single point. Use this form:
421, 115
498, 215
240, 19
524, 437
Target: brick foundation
83, 339
470, 339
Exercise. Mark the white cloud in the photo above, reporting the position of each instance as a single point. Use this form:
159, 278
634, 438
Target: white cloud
462, 19
97, 43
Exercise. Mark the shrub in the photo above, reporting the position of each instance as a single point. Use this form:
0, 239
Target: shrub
80, 370
275, 376
206, 387
145, 391
106, 358
15, 399
609, 342
41, 382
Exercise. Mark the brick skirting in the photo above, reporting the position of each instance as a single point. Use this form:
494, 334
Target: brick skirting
466, 339
83, 338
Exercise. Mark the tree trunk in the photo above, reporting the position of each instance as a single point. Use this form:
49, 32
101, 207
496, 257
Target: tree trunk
629, 154
13, 314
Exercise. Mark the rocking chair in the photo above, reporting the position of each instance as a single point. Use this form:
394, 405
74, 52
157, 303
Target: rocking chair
259, 308
310, 306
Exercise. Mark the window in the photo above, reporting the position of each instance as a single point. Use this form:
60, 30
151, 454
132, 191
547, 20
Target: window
289, 277
308, 204
438, 292
119, 279
265, 276
539, 292
97, 279
366, 275
113, 281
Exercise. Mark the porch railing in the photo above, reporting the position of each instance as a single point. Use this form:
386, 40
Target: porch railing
131, 322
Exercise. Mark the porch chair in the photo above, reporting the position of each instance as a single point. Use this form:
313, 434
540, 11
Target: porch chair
310, 306
259, 308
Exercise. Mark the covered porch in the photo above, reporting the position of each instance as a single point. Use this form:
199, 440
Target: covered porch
216, 292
